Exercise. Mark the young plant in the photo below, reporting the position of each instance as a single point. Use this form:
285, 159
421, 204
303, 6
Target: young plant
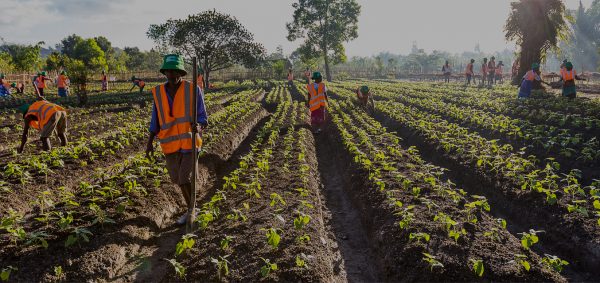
58, 272
301, 220
222, 265
266, 269
77, 235
277, 199
521, 260
432, 261
273, 237
179, 268
554, 262
301, 261
477, 266
529, 239
186, 243
226, 241
419, 236
100, 214
5, 272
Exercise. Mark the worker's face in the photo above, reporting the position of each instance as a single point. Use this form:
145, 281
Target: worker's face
173, 75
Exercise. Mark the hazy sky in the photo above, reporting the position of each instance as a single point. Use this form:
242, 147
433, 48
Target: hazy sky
384, 25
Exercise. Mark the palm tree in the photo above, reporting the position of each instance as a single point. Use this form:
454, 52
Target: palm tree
536, 26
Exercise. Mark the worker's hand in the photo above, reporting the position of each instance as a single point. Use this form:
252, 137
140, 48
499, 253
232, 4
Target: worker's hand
150, 151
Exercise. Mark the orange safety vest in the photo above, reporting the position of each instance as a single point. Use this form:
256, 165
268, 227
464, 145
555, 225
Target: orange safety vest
201, 82
568, 75
175, 124
469, 70
530, 75
41, 83
317, 96
498, 70
43, 111
62, 81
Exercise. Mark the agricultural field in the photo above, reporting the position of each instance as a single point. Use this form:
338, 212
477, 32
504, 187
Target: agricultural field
441, 182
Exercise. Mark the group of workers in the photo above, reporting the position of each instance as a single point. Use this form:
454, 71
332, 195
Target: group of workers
491, 72
568, 75
172, 121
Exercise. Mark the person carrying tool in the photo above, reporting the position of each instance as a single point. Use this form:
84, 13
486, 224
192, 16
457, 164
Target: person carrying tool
499, 78
47, 118
484, 71
137, 82
290, 77
365, 98
447, 71
4, 86
62, 82
172, 123
527, 82
317, 101
568, 75
40, 82
469, 72
104, 81
491, 70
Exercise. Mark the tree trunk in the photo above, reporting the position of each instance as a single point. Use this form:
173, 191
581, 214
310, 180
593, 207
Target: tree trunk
530, 53
206, 74
327, 70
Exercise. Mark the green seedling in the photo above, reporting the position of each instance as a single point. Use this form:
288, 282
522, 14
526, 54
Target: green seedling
100, 215
301, 220
304, 239
554, 262
179, 268
77, 235
273, 237
432, 261
529, 239
477, 266
419, 236
521, 260
226, 241
277, 199
58, 272
266, 269
38, 238
222, 265
301, 261
5, 272
186, 243
237, 215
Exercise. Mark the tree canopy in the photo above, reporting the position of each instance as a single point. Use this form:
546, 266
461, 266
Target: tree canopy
218, 40
536, 26
324, 25
23, 57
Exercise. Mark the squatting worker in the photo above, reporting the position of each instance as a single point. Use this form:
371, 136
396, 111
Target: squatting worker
317, 101
527, 82
47, 118
172, 123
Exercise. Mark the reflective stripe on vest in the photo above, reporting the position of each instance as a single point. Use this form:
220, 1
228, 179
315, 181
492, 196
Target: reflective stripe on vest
317, 96
43, 111
568, 75
175, 124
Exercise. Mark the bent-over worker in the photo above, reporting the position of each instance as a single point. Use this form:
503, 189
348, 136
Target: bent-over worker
47, 118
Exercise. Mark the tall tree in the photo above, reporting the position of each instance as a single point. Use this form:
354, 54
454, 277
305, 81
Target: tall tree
325, 25
218, 40
67, 45
536, 26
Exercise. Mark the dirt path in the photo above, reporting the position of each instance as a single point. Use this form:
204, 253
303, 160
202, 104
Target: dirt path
350, 234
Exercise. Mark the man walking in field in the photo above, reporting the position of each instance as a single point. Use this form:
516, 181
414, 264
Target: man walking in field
499, 72
172, 124
447, 71
47, 118
317, 101
469, 72
62, 82
491, 71
484, 71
